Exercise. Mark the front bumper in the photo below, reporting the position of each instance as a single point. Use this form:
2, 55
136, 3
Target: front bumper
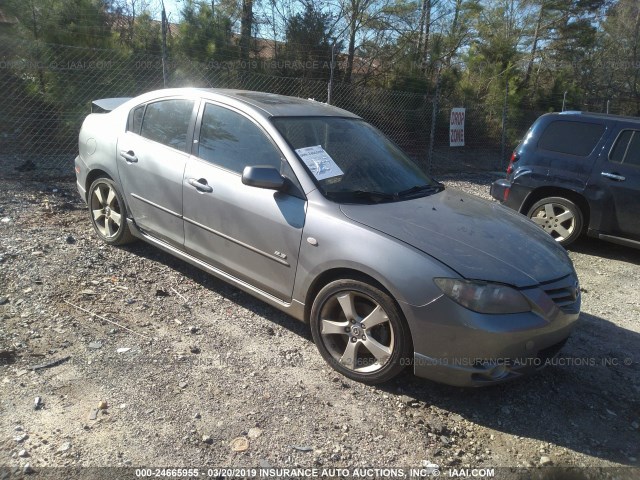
456, 346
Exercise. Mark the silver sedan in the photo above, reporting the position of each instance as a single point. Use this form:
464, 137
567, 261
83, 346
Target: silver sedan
313, 210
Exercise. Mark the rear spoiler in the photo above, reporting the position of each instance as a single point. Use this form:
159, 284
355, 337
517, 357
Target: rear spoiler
105, 105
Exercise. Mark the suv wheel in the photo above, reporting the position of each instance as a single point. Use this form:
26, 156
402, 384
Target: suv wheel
559, 217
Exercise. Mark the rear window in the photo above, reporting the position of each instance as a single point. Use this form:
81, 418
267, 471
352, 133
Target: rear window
572, 138
627, 148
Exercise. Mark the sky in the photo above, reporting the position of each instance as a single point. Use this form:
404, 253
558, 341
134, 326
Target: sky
171, 6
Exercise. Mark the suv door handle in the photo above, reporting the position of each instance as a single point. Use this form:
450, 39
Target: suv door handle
613, 176
129, 156
201, 185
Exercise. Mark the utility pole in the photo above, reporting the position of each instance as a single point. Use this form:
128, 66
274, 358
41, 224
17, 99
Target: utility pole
564, 99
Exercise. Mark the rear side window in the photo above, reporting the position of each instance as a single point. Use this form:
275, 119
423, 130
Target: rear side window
135, 119
627, 148
573, 138
167, 122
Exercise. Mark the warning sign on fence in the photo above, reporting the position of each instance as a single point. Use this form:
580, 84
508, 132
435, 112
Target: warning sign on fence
456, 127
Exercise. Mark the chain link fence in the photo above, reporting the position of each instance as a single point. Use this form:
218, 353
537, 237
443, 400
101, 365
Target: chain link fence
47, 91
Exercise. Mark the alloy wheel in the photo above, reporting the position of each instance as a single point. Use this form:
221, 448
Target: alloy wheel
106, 210
555, 219
357, 332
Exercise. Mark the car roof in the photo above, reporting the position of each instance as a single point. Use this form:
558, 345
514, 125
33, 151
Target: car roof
265, 104
596, 115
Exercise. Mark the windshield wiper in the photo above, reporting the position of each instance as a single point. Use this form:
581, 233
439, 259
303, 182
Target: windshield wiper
370, 195
438, 187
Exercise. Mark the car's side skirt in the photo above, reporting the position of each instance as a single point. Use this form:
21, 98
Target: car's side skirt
627, 242
293, 308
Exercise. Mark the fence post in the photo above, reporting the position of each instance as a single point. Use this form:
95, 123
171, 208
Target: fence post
434, 117
164, 46
330, 86
505, 107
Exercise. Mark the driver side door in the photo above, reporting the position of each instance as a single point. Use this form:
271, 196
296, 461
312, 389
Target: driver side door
250, 233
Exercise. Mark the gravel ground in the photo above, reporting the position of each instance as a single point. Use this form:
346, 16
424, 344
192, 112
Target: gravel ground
173, 368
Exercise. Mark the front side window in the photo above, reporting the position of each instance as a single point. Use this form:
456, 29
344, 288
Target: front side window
572, 138
167, 122
232, 141
352, 161
626, 149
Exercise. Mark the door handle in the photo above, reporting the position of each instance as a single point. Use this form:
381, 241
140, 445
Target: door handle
613, 176
129, 156
200, 185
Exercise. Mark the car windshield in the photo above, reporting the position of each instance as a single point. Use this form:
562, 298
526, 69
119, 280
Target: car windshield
353, 162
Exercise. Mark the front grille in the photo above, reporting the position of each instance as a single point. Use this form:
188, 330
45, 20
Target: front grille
564, 292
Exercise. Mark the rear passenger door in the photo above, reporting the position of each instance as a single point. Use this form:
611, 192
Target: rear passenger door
152, 155
250, 233
568, 148
618, 175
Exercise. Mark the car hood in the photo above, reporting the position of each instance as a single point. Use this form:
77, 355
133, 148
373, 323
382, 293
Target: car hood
478, 239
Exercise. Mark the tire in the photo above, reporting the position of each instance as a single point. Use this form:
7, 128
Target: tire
367, 352
108, 212
559, 217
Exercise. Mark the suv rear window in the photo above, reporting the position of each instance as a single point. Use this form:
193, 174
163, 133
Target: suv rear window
627, 148
573, 138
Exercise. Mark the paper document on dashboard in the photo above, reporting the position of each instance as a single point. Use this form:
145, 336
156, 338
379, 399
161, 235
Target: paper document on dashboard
319, 162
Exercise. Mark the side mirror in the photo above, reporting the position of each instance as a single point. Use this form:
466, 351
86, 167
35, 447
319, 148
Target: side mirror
263, 177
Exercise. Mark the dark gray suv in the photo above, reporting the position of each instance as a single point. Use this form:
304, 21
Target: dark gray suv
575, 172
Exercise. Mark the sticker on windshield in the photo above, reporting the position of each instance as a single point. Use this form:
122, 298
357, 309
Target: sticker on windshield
319, 162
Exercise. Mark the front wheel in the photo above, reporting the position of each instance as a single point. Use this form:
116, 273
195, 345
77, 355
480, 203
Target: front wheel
360, 331
559, 217
108, 212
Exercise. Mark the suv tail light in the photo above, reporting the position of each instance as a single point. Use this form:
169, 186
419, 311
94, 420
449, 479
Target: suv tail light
514, 158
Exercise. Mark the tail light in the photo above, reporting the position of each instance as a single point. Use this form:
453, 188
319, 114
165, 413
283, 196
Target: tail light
514, 158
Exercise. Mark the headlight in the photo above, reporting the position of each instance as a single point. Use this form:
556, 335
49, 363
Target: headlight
483, 297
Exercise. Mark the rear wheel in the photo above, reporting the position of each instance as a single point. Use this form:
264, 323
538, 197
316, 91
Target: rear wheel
108, 212
559, 217
360, 332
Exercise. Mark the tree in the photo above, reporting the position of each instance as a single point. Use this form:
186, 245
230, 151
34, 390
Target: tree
246, 27
204, 35
308, 40
621, 45
357, 14
126, 13
148, 36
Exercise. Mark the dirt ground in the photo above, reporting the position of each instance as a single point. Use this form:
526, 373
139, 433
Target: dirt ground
178, 369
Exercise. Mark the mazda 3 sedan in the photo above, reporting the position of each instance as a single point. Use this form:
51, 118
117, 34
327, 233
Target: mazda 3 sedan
311, 209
